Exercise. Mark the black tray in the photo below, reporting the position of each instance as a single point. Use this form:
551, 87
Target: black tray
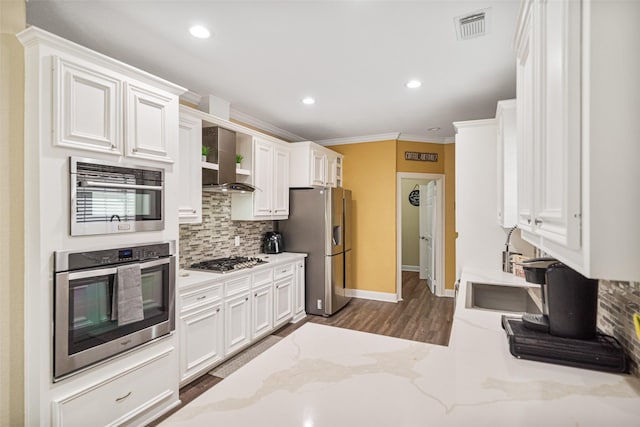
602, 353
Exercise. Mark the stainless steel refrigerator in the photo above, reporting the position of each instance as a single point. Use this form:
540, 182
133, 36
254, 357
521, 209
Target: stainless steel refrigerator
319, 224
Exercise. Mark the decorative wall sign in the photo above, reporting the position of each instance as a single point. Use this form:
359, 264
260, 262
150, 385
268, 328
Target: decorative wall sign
414, 196
421, 157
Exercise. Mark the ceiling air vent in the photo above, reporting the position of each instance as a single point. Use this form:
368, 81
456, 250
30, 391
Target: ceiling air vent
473, 25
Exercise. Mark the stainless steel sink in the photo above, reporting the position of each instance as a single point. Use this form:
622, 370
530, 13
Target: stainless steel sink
514, 299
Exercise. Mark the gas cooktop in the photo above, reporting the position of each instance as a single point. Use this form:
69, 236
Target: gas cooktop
223, 265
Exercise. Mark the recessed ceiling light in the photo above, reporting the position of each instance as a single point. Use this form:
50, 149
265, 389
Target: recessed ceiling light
433, 129
200, 32
414, 84
308, 100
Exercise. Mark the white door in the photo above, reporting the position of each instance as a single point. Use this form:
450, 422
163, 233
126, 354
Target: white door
427, 230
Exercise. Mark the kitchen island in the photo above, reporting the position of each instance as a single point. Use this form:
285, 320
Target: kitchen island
326, 376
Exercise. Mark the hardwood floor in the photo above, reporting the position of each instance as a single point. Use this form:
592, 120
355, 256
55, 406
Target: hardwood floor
421, 316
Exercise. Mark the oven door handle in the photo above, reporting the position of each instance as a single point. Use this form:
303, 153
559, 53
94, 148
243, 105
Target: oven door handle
97, 184
85, 274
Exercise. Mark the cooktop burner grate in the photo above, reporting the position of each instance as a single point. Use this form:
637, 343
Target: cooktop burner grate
222, 265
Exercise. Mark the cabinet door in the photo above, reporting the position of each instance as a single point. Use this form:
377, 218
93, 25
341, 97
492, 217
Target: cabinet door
281, 182
262, 309
526, 113
237, 312
332, 171
190, 175
87, 108
557, 158
298, 306
150, 116
318, 167
263, 178
201, 338
283, 301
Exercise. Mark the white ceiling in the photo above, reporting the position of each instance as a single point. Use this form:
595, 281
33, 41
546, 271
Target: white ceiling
353, 57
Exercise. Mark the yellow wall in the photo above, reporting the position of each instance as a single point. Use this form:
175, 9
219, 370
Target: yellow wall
410, 223
369, 171
450, 215
12, 20
445, 165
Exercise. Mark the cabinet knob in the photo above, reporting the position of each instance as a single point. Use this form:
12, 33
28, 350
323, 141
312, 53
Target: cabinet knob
113, 146
537, 221
255, 295
193, 210
528, 220
218, 311
246, 299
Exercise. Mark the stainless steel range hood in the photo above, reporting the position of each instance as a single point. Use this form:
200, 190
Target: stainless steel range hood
222, 150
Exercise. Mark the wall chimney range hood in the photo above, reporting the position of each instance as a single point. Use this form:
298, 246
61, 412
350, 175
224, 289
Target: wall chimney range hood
222, 150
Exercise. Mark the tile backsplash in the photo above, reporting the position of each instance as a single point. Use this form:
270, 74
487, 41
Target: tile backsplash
214, 237
617, 301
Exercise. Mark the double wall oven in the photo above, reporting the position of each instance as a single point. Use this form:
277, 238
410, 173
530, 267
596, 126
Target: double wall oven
86, 329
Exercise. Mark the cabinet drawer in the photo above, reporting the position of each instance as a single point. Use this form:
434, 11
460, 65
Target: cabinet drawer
283, 270
201, 295
262, 277
119, 398
235, 286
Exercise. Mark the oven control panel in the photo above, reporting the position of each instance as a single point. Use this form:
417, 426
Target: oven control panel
89, 259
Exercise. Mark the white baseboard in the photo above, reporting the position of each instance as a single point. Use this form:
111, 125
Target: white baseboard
372, 295
447, 293
415, 268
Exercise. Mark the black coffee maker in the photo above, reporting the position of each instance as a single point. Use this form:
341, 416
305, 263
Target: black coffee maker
566, 332
569, 300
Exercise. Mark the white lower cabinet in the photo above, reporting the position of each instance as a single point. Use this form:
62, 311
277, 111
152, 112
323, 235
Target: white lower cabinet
201, 340
262, 310
283, 305
299, 294
219, 317
237, 316
123, 398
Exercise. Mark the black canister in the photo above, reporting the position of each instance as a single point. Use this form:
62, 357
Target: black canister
572, 300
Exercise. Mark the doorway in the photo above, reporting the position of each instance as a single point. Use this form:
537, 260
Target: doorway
420, 229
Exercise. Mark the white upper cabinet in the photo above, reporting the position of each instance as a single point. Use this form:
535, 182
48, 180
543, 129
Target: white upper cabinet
548, 46
270, 200
576, 173
507, 163
313, 165
190, 174
263, 178
102, 105
150, 122
88, 107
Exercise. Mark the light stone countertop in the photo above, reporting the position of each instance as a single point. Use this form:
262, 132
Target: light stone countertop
327, 376
188, 278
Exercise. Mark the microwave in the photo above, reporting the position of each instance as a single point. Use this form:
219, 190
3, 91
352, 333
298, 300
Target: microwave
114, 198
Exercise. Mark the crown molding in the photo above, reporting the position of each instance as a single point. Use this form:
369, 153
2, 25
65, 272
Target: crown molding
264, 126
426, 139
473, 123
450, 140
359, 139
191, 97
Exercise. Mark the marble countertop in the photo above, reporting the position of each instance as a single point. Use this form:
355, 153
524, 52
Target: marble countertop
188, 277
328, 376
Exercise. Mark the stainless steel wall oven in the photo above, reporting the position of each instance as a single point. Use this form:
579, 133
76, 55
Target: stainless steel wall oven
90, 302
113, 198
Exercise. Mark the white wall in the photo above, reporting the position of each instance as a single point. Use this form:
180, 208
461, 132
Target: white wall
480, 239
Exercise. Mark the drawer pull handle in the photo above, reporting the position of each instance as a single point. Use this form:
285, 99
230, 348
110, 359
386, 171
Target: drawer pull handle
201, 298
120, 399
123, 343
537, 221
